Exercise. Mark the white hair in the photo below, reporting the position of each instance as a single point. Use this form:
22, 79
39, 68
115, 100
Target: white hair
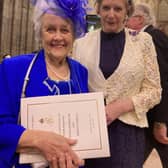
145, 10
37, 16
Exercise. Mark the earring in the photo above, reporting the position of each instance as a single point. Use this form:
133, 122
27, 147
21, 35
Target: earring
126, 18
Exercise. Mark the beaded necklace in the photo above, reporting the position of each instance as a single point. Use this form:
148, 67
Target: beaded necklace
63, 78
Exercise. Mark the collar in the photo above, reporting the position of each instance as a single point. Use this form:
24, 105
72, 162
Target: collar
144, 28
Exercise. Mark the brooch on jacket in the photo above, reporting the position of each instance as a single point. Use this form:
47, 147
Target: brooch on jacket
134, 34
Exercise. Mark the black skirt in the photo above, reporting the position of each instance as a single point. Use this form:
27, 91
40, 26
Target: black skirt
127, 144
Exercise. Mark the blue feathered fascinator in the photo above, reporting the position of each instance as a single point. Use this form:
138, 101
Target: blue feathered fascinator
75, 10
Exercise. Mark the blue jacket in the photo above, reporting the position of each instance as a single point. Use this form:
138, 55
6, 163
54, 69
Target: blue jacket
12, 73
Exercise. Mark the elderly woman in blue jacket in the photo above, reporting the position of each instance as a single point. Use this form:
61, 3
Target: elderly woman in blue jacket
49, 72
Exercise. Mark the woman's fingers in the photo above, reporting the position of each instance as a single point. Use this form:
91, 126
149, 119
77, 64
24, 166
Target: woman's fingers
53, 163
73, 156
62, 161
70, 163
54, 148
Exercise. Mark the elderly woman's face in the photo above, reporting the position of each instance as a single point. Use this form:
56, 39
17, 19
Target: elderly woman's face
113, 14
135, 22
56, 35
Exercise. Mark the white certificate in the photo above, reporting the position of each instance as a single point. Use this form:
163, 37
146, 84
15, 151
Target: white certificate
79, 116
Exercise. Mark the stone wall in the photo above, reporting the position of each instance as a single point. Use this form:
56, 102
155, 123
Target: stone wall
16, 30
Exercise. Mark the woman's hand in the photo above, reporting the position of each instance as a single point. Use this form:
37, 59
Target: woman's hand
160, 132
55, 148
116, 108
65, 159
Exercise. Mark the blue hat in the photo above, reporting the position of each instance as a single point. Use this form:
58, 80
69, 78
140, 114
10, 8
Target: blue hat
75, 10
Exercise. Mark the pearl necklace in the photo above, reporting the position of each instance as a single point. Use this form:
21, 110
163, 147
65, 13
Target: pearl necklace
64, 78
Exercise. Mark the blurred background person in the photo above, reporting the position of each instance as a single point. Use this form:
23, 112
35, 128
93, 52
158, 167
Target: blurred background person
5, 56
143, 19
48, 72
123, 65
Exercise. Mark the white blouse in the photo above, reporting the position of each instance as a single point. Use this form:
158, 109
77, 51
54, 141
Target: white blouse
137, 75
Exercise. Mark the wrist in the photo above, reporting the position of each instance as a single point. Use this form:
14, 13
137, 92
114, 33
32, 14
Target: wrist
127, 104
28, 139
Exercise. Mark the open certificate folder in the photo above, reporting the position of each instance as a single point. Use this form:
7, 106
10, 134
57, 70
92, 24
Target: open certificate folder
79, 116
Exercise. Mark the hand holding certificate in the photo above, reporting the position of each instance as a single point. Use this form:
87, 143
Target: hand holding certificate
78, 116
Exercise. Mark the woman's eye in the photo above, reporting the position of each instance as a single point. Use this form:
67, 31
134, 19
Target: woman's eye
106, 8
50, 30
117, 9
64, 30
